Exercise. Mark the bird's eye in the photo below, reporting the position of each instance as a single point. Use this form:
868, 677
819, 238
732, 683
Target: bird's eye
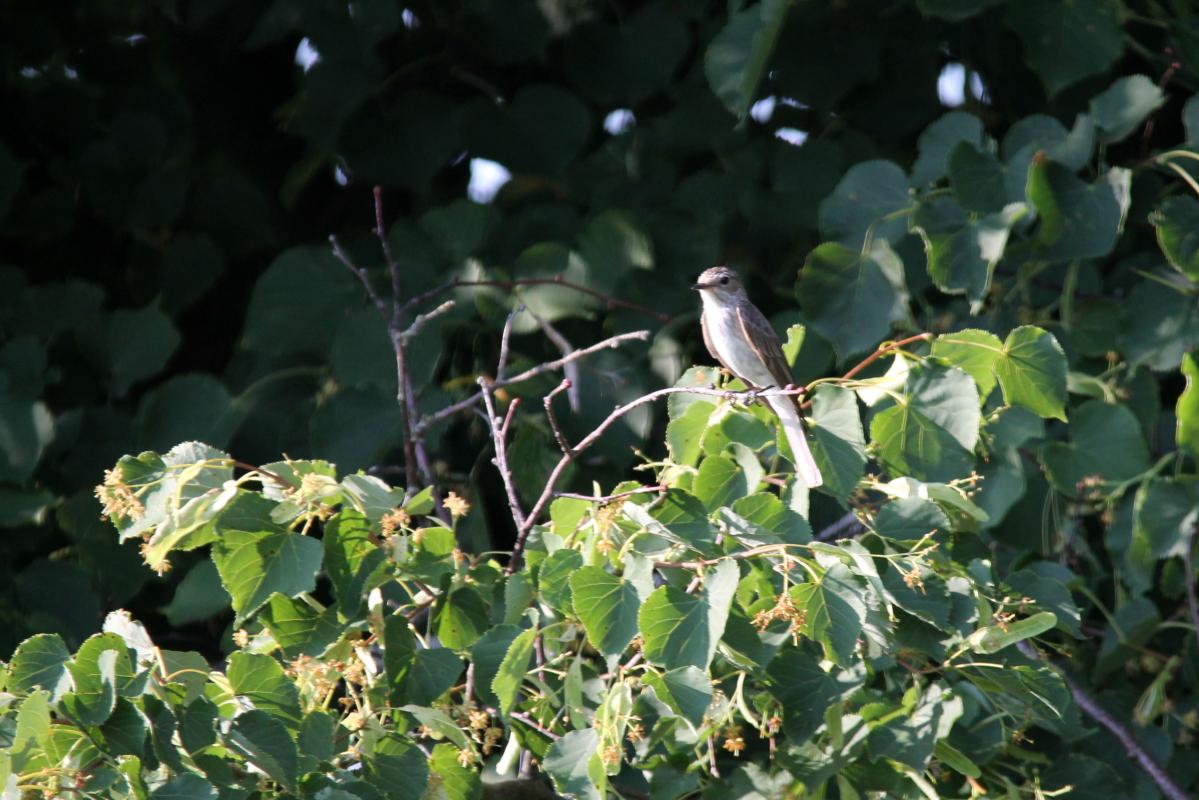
724, 281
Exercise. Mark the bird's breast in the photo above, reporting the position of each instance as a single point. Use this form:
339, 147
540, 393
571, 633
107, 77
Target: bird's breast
734, 350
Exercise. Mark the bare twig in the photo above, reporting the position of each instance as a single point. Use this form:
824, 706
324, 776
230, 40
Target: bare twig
1132, 747
505, 336
499, 429
424, 319
611, 342
534, 724
881, 351
360, 272
417, 469
612, 302
548, 402
571, 369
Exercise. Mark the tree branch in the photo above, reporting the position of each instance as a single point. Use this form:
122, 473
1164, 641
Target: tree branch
1132, 747
499, 431
877, 354
548, 402
1188, 566
611, 342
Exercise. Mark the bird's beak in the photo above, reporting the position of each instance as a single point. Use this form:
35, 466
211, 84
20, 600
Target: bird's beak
701, 286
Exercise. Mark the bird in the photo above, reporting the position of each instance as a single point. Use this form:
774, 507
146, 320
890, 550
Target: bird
738, 336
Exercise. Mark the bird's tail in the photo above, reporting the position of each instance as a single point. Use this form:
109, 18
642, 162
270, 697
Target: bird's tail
805, 464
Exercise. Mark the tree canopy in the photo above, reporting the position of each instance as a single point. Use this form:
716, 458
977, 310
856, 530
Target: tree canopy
292, 289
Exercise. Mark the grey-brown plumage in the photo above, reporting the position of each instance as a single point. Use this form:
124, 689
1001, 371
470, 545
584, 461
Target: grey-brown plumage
738, 336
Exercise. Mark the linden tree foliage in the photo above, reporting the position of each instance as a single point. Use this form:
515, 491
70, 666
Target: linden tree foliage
972, 223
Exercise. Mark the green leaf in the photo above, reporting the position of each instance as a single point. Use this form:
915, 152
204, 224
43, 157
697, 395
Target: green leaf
1165, 513
254, 564
834, 612
1177, 224
851, 298
487, 655
910, 518
553, 578
720, 481
574, 765
870, 198
737, 57
1078, 219
1032, 372
838, 441
396, 767
977, 178
1064, 43
679, 629
264, 742
687, 690
198, 596
939, 139
961, 253
132, 345
188, 786
433, 673
261, 680
353, 562
1187, 409
95, 670
462, 618
512, 670
1122, 107
805, 691
32, 728
439, 722
1106, 447
761, 518
399, 654
973, 351
607, 605
1163, 322
685, 433
40, 662
953, 758
187, 407
303, 283
457, 782
931, 431
954, 10
993, 638
299, 628
28, 428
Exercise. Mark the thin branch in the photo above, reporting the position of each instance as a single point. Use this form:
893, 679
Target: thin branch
1132, 747
548, 402
424, 319
612, 302
611, 342
532, 723
498, 431
505, 336
360, 272
887, 348
393, 266
570, 370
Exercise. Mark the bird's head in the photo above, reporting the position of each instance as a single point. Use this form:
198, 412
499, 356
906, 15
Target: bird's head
719, 282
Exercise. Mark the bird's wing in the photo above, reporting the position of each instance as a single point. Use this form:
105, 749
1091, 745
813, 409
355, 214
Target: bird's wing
703, 326
765, 343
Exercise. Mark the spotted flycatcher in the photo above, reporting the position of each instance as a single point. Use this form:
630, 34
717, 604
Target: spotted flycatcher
739, 337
